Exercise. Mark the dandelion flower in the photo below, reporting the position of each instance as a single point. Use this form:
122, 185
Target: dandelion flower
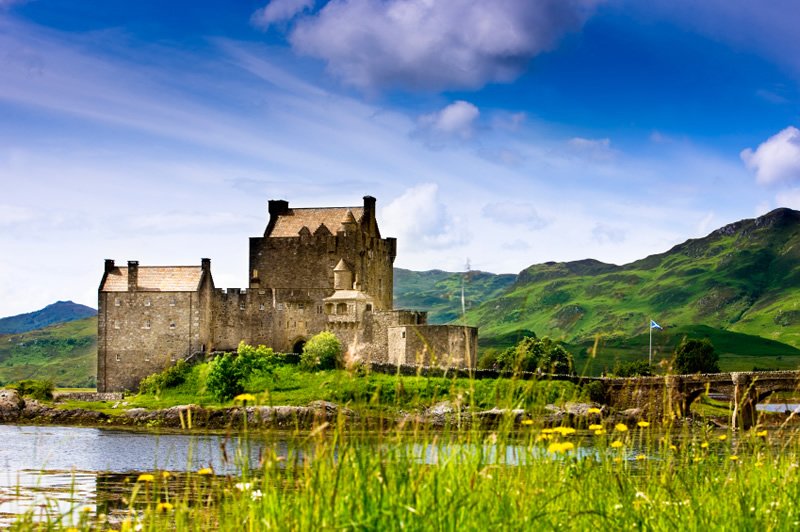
164, 507
527, 422
206, 471
87, 509
244, 397
643, 424
641, 457
616, 444
166, 474
547, 431
723, 437
621, 427
564, 431
543, 437
562, 447
594, 410
704, 445
600, 432
733, 458
145, 477
673, 447
595, 426
761, 434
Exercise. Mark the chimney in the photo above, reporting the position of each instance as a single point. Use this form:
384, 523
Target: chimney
205, 265
109, 265
276, 208
133, 275
369, 208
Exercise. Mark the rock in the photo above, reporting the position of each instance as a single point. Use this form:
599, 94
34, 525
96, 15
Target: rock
11, 405
632, 414
579, 409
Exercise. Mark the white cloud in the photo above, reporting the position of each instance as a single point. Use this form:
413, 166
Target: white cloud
279, 11
788, 198
514, 213
704, 225
593, 149
419, 219
434, 44
456, 121
604, 233
777, 159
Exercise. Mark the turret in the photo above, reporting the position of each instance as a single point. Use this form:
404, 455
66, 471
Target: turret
342, 277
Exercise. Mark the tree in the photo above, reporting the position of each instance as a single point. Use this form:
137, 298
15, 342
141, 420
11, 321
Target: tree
536, 354
322, 351
228, 374
636, 368
696, 356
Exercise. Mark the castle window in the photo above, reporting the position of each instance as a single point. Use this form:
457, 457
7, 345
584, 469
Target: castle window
172, 357
146, 324
118, 357
369, 307
261, 306
146, 302
329, 308
171, 324
341, 308
172, 302
301, 306
117, 302
147, 357
280, 306
116, 324
242, 306
403, 334
319, 309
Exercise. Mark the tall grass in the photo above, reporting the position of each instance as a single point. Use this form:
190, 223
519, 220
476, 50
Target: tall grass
593, 472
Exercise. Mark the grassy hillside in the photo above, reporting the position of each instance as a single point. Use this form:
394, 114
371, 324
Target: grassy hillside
742, 278
65, 353
439, 292
59, 312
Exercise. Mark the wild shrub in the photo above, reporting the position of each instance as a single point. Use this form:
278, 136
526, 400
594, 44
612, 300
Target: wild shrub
228, 374
696, 356
322, 351
535, 354
171, 377
636, 368
41, 390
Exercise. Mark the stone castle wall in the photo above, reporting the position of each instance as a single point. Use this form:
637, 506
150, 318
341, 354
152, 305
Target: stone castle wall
433, 345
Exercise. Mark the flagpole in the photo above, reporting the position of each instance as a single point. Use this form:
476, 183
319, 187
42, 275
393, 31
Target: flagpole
650, 326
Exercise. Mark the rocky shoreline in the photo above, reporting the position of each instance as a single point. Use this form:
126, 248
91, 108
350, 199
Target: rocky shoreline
18, 410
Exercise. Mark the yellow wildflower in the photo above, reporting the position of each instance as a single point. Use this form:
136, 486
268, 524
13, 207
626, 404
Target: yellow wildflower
621, 427
594, 410
673, 448
600, 432
527, 422
560, 447
547, 431
704, 445
595, 426
145, 477
243, 397
723, 437
164, 507
733, 458
616, 444
166, 474
643, 424
641, 457
206, 471
564, 431
761, 434
543, 437
697, 459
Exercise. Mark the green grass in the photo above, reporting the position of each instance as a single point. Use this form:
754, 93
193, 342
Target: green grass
65, 354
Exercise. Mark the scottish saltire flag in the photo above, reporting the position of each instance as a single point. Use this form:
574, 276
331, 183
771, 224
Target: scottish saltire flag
654, 325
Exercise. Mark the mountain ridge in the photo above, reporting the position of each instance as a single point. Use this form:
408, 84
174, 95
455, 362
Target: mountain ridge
58, 312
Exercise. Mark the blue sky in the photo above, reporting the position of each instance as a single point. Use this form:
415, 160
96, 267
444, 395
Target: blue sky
503, 132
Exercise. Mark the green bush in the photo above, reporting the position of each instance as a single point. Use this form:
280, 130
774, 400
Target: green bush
228, 374
696, 356
322, 351
535, 354
171, 377
41, 390
636, 368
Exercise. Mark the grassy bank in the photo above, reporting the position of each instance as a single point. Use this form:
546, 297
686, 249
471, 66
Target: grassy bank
611, 477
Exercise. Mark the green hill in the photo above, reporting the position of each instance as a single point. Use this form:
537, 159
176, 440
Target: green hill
439, 292
65, 353
743, 278
59, 312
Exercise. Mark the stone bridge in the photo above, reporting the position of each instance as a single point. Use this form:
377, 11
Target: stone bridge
672, 395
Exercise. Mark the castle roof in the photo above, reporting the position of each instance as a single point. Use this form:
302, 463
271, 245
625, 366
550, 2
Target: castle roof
290, 223
155, 279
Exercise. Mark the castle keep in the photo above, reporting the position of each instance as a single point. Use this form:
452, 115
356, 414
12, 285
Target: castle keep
315, 269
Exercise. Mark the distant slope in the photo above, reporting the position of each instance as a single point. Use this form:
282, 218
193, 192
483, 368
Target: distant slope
60, 312
65, 353
439, 292
744, 277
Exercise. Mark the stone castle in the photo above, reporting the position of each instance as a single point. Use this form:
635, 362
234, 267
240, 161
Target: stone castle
315, 269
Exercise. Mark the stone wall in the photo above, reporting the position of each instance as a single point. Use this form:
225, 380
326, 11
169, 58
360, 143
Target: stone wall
433, 345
